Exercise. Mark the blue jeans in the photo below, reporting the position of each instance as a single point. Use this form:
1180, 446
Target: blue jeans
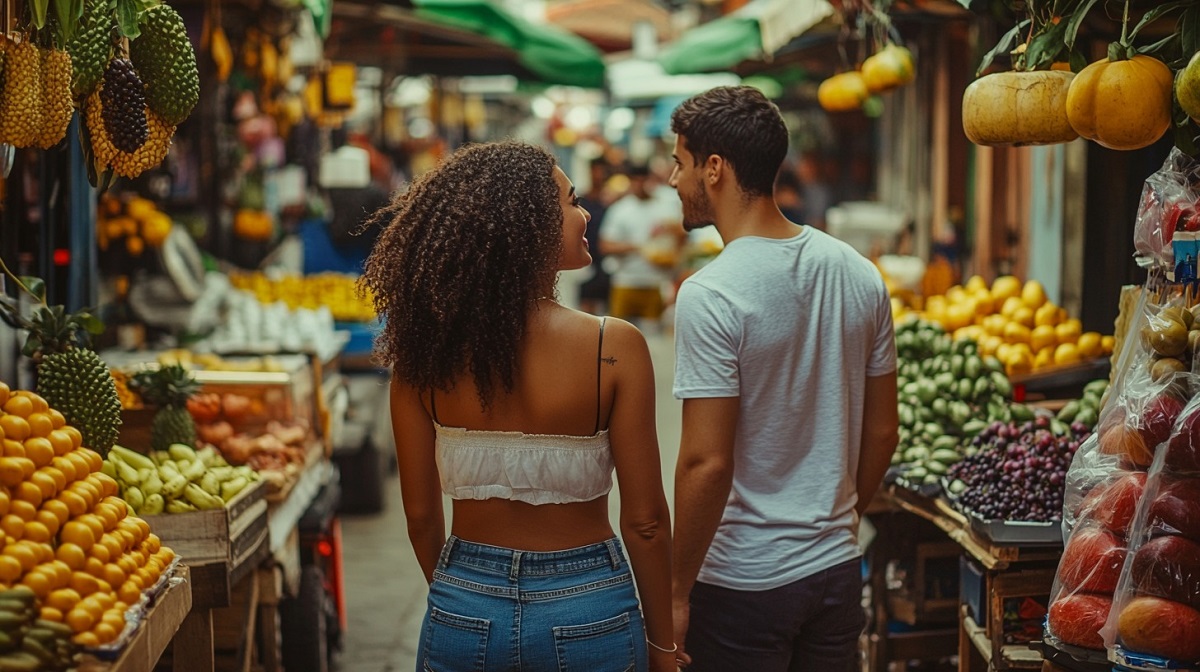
810, 625
494, 608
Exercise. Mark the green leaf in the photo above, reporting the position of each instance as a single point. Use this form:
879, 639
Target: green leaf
1156, 13
1045, 47
1161, 47
129, 12
965, 3
67, 12
32, 345
90, 323
1185, 137
1076, 19
35, 286
1189, 31
1003, 45
39, 9
1078, 61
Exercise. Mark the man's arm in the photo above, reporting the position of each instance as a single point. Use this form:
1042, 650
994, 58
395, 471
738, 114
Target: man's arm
703, 478
879, 437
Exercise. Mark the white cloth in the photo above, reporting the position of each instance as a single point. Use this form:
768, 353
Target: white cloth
639, 222
793, 327
531, 468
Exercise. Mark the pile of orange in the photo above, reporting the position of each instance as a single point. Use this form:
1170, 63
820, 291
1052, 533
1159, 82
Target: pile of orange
65, 533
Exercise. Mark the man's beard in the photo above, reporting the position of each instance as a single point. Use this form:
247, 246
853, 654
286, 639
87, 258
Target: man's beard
697, 210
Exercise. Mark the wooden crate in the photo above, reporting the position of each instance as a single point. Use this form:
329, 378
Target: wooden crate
229, 535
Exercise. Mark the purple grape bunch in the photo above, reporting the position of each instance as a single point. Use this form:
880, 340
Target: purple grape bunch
1017, 472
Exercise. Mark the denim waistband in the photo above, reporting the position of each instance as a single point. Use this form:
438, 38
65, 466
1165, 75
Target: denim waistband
516, 563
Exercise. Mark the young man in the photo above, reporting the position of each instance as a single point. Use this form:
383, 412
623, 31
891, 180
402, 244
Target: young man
785, 361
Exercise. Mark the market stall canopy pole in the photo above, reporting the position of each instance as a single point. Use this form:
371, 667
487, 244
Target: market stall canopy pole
753, 32
553, 55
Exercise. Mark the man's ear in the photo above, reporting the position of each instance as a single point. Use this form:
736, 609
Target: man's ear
714, 169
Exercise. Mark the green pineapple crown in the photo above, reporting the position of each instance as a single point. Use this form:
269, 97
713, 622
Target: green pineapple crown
51, 328
166, 387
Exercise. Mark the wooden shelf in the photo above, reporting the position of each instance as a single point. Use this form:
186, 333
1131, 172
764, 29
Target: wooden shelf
156, 631
1012, 656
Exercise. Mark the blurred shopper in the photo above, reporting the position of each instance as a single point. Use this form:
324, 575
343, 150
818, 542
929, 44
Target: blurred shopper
593, 294
519, 408
815, 195
642, 233
785, 361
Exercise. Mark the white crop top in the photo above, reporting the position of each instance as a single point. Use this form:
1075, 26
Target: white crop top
532, 468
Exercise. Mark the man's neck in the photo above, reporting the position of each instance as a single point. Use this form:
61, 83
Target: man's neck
760, 218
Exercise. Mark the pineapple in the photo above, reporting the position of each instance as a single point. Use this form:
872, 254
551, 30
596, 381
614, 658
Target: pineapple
70, 375
169, 388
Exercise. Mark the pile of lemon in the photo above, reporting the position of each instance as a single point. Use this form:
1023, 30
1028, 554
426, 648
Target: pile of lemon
1014, 322
337, 291
64, 533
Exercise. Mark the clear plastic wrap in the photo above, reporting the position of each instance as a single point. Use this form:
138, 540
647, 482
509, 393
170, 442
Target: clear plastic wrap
1169, 204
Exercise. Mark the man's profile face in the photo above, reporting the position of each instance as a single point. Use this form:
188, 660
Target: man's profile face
688, 180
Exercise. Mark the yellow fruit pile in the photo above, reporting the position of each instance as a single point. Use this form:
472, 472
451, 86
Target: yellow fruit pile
1015, 323
335, 290
65, 535
138, 222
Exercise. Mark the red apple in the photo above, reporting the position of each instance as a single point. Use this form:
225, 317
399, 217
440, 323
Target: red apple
1158, 419
1176, 510
1161, 628
1114, 502
1168, 567
1091, 562
1118, 438
1183, 451
1077, 619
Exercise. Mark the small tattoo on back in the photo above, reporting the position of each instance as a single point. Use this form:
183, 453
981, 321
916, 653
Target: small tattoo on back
609, 360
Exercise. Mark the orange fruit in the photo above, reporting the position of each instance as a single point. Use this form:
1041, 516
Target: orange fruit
85, 492
10, 569
107, 484
153, 544
106, 596
127, 565
82, 466
39, 403
60, 442
15, 427
87, 640
23, 554
119, 606
101, 553
46, 483
56, 418
85, 584
107, 514
140, 557
126, 537
80, 620
93, 458
114, 618
50, 614
76, 437
63, 599
56, 475
96, 523
129, 593
39, 582
166, 554
11, 471
120, 505
113, 544
40, 424
72, 555
50, 521
5, 502
75, 532
105, 632
40, 450
95, 567
114, 574
137, 580
58, 508
74, 501
37, 532
19, 405
28, 491
12, 526
27, 466
14, 448
4, 393
65, 467
23, 509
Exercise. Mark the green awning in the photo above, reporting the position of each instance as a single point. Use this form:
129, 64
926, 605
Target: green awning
717, 45
553, 55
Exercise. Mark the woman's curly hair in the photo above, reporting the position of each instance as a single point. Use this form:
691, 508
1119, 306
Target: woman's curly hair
466, 253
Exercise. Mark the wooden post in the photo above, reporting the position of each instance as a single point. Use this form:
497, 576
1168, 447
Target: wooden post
193, 643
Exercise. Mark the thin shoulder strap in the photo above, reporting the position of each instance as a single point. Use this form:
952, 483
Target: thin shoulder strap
599, 355
433, 405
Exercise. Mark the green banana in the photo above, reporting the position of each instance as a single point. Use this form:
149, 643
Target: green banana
179, 506
231, 488
201, 499
133, 458
180, 452
154, 505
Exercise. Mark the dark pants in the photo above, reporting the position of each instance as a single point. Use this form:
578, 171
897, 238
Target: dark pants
811, 624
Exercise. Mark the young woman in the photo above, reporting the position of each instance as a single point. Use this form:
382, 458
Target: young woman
519, 409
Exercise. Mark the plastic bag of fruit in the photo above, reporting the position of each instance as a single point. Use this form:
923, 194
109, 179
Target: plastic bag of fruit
1169, 204
1156, 606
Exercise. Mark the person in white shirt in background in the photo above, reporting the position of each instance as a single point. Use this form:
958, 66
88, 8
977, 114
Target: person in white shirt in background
642, 235
786, 364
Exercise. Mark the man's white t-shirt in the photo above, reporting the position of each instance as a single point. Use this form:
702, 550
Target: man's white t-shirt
793, 328
635, 221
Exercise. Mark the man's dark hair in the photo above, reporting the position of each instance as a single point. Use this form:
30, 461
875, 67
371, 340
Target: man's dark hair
740, 125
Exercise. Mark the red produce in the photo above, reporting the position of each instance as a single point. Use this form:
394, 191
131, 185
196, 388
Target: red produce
235, 407
1092, 561
205, 407
1161, 628
1183, 451
1159, 418
1117, 438
1114, 502
1077, 619
1176, 510
1168, 567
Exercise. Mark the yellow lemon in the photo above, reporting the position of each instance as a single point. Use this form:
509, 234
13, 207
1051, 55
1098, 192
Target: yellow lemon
1014, 332
1010, 306
1089, 345
976, 284
1069, 331
1005, 287
1033, 294
1043, 336
1044, 358
1047, 314
1108, 344
1065, 354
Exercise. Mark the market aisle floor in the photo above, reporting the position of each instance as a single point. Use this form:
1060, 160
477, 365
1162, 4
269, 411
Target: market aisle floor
385, 592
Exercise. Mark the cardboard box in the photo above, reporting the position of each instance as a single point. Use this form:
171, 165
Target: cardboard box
228, 535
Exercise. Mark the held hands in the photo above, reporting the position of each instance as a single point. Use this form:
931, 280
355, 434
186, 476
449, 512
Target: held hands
681, 609
661, 661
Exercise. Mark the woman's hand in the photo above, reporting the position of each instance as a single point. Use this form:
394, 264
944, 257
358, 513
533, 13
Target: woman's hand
661, 661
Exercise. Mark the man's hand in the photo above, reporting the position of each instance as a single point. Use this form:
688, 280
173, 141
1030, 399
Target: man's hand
681, 614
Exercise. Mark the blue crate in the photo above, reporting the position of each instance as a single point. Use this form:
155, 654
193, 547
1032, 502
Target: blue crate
972, 589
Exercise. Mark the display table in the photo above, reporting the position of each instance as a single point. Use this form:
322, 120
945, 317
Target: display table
1000, 576
158, 628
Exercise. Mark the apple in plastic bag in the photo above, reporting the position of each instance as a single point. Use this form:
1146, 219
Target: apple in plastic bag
1169, 567
1160, 627
1077, 619
1183, 451
1091, 562
1114, 502
1158, 418
1176, 509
